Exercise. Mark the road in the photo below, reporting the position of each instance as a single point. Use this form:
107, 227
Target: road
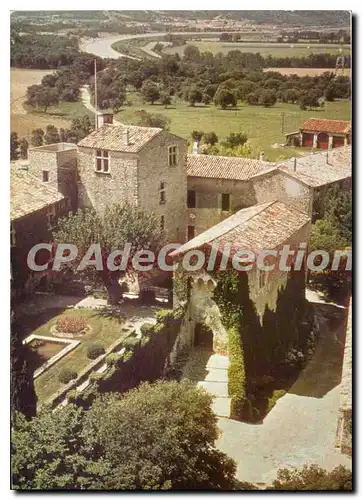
102, 47
301, 428
86, 100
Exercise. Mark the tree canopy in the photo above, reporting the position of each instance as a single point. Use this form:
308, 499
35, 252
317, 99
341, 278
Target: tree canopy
155, 437
112, 230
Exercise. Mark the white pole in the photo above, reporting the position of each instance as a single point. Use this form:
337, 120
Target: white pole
95, 93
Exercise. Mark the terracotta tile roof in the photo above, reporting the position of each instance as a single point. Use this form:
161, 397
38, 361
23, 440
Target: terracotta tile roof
28, 194
224, 167
264, 226
319, 169
111, 137
332, 126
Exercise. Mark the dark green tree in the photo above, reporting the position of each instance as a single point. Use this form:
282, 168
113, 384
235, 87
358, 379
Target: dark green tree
23, 397
225, 98
150, 92
210, 138
37, 137
118, 225
51, 135
313, 478
14, 146
23, 146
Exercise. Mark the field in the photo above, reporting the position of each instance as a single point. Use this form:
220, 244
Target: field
24, 120
264, 126
264, 48
306, 71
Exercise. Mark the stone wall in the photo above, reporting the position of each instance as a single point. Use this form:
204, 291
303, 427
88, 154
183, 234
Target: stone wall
99, 189
208, 211
60, 161
271, 186
153, 169
278, 185
275, 280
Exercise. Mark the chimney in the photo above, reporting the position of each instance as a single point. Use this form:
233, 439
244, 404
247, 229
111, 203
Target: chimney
104, 119
195, 148
261, 157
295, 164
125, 136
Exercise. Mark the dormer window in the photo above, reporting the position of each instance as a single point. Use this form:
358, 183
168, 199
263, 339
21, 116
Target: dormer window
102, 161
172, 156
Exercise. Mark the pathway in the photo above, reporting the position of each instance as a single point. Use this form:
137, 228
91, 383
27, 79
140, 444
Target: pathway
302, 426
210, 371
86, 100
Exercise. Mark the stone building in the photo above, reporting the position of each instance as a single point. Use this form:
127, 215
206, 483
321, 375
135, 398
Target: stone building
34, 209
55, 165
140, 165
321, 134
218, 186
265, 226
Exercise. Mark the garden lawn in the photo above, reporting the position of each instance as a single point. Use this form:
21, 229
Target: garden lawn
105, 331
264, 126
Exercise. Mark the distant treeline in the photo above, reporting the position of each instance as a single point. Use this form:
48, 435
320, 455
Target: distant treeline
42, 51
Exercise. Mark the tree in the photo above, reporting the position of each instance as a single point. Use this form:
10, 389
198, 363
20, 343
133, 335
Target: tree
313, 478
14, 146
48, 452
225, 98
197, 135
193, 96
113, 229
23, 397
210, 138
150, 92
165, 99
146, 119
191, 53
51, 135
42, 96
158, 437
155, 437
234, 140
23, 145
267, 98
206, 99
37, 137
309, 100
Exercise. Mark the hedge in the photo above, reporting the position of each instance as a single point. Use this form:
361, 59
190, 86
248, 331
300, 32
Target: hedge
236, 373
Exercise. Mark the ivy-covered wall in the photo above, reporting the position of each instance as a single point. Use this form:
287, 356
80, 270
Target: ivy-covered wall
265, 356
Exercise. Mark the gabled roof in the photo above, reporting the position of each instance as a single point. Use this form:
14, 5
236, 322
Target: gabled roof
331, 126
224, 167
260, 227
111, 137
28, 194
319, 169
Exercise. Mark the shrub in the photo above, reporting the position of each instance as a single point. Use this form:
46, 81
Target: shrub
146, 328
131, 342
113, 359
73, 396
236, 374
72, 324
65, 376
96, 376
94, 351
278, 393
